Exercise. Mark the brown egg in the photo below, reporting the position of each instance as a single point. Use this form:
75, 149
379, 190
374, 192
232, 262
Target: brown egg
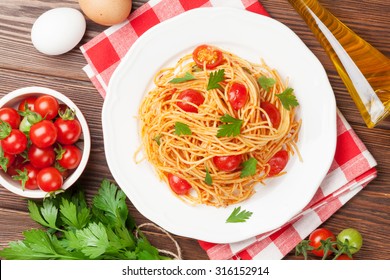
106, 12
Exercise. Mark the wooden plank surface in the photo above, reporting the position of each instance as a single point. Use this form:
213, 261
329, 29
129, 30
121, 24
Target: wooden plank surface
21, 65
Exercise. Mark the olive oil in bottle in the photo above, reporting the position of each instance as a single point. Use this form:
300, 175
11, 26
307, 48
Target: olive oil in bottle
364, 70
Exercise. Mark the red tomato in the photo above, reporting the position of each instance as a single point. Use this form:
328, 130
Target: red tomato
43, 134
272, 112
15, 143
29, 101
207, 54
316, 237
178, 185
71, 157
18, 162
47, 106
190, 95
6, 160
343, 257
11, 116
227, 163
49, 179
68, 131
278, 162
41, 157
28, 177
238, 96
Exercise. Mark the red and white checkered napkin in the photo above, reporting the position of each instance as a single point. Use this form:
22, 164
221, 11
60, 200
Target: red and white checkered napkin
352, 168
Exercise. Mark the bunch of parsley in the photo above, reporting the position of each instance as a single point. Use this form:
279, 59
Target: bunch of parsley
76, 231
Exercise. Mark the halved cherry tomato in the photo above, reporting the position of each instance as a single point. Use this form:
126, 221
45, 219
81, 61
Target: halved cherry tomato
272, 112
43, 134
47, 106
29, 102
278, 162
238, 95
212, 57
227, 163
315, 240
70, 157
192, 96
11, 116
41, 157
178, 185
49, 179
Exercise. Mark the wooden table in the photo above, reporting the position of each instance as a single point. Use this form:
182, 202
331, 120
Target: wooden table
21, 65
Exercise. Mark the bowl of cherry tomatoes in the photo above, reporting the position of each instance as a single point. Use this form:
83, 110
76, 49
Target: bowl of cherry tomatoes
44, 142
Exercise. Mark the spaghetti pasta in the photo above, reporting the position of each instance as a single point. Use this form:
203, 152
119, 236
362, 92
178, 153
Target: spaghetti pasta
194, 156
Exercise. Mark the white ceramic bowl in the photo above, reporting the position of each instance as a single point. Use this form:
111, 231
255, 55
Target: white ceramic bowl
13, 99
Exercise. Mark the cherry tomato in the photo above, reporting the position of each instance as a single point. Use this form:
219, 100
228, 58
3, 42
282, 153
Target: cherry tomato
43, 134
68, 131
272, 112
355, 239
178, 185
11, 116
71, 157
227, 163
278, 162
315, 240
49, 179
41, 157
343, 257
17, 163
190, 95
27, 175
47, 106
6, 160
15, 143
207, 54
29, 101
238, 96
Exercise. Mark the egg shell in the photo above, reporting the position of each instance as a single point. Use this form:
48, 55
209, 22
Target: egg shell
58, 30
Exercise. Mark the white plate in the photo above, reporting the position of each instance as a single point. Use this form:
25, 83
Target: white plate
252, 37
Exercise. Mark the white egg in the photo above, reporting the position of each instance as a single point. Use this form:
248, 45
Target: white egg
57, 31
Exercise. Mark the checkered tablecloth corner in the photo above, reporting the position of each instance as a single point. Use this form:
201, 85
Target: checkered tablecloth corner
352, 168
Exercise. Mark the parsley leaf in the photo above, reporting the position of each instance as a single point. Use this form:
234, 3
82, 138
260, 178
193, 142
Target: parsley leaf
248, 167
73, 216
187, 77
266, 83
288, 99
182, 129
110, 204
238, 216
208, 180
157, 139
215, 78
101, 231
232, 126
45, 215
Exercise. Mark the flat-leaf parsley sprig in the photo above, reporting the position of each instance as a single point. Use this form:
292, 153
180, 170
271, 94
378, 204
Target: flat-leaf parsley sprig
238, 216
75, 231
